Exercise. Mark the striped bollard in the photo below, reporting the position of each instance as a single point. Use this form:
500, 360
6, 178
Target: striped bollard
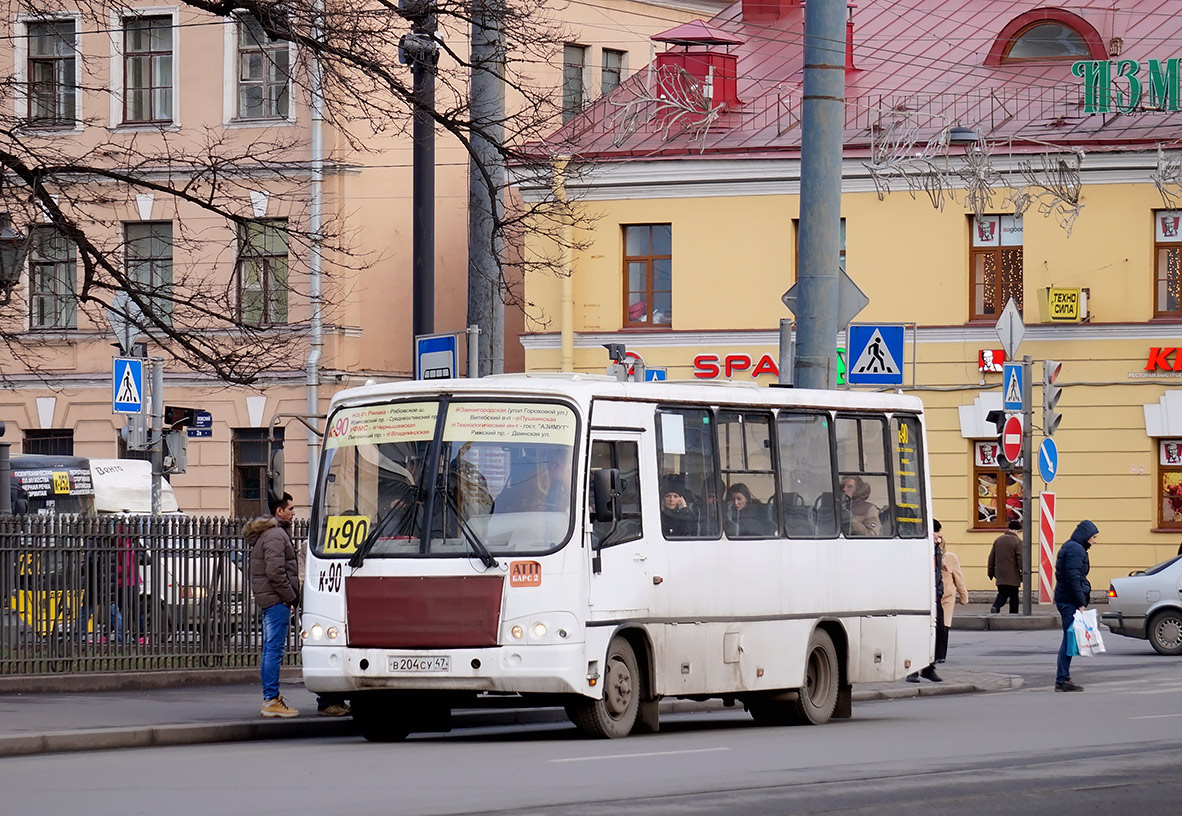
1046, 526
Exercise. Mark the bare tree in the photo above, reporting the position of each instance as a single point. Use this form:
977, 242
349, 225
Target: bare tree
68, 180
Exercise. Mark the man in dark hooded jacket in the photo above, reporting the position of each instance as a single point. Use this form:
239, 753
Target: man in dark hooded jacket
1072, 592
275, 582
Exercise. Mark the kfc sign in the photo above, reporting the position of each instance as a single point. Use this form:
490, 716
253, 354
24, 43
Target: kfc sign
990, 360
712, 366
1159, 360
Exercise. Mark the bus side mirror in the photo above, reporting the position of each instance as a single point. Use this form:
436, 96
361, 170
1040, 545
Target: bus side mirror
605, 490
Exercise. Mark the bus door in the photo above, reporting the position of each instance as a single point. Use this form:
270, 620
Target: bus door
627, 562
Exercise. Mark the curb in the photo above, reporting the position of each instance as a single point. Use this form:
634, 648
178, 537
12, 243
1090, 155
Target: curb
1006, 622
84, 682
105, 739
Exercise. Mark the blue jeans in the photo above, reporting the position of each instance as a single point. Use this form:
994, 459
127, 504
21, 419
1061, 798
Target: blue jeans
275, 622
1063, 669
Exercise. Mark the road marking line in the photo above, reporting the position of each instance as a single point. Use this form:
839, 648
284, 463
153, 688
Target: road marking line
647, 754
1155, 716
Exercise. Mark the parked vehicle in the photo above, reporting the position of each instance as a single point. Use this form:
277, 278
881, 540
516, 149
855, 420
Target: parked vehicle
1148, 605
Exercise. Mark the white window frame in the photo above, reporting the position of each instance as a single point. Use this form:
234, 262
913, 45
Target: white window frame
230, 84
116, 33
20, 73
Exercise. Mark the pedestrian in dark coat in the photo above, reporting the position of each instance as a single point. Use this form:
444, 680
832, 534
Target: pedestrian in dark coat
1005, 565
1072, 592
275, 582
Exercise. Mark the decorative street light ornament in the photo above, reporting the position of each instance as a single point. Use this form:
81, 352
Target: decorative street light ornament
13, 246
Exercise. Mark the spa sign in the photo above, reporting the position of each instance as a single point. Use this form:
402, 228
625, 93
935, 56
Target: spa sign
1127, 86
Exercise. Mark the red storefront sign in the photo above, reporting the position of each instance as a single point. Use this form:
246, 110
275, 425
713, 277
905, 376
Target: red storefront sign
1159, 360
710, 366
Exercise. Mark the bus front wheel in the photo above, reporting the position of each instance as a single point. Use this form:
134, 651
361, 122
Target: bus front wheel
818, 696
614, 715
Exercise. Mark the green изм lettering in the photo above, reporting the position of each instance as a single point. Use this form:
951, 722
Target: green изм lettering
1117, 87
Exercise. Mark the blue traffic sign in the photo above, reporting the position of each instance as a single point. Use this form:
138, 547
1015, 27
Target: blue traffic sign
1048, 459
655, 374
436, 357
127, 386
1013, 385
876, 352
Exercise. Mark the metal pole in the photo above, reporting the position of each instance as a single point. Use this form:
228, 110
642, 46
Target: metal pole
316, 255
1027, 485
423, 242
823, 120
5, 476
473, 351
157, 431
787, 351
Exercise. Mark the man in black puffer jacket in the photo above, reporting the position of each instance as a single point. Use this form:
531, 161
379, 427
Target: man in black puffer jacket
1072, 592
275, 582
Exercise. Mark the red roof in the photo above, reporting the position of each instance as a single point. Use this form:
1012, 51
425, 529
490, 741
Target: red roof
922, 64
696, 33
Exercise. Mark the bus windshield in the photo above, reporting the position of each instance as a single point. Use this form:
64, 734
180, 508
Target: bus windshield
495, 477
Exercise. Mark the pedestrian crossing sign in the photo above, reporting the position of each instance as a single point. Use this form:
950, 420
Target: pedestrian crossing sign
876, 352
128, 386
1013, 385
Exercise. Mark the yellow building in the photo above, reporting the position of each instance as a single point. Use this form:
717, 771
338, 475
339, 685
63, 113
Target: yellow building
975, 170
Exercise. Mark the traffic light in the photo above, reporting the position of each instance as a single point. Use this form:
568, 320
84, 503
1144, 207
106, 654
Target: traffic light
1051, 394
135, 432
176, 417
998, 419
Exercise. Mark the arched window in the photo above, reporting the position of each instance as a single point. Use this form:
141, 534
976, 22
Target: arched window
1047, 41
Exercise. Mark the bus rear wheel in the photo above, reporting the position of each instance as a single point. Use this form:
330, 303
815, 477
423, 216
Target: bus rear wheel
614, 715
379, 717
817, 698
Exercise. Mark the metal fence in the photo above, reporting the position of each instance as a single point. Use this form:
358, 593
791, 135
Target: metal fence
128, 593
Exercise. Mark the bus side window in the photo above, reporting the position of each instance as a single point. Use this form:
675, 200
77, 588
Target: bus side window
865, 488
806, 474
625, 457
908, 462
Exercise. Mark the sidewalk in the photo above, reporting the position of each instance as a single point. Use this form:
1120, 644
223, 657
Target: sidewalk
49, 723
976, 616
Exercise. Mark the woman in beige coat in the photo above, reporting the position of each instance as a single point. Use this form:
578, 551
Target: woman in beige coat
953, 580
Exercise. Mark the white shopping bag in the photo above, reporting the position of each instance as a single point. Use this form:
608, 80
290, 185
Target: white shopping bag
1087, 632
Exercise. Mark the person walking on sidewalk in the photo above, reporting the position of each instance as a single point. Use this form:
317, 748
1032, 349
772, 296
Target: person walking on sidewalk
1005, 564
275, 582
1072, 592
929, 671
954, 587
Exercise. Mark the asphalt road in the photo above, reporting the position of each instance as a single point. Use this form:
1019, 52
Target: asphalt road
1033, 751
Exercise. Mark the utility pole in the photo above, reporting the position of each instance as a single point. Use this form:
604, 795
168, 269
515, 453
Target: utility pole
486, 300
157, 431
823, 122
420, 50
1027, 484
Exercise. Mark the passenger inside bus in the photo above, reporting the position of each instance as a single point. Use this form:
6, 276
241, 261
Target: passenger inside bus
746, 516
859, 517
678, 518
539, 480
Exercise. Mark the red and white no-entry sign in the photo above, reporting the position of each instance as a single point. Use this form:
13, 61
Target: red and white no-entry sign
1011, 439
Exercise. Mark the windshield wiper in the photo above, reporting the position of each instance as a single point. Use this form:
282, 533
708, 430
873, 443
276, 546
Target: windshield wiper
470, 536
408, 509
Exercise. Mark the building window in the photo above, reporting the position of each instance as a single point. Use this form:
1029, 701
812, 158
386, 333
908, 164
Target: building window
998, 492
648, 275
1167, 253
574, 63
263, 73
147, 69
262, 272
52, 80
50, 442
248, 451
53, 270
1047, 41
996, 263
613, 69
148, 248
1170, 497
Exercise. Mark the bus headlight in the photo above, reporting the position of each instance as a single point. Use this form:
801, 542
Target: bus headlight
333, 633
317, 631
538, 630
517, 632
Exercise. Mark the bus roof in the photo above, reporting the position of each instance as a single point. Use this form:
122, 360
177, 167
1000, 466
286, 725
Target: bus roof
585, 387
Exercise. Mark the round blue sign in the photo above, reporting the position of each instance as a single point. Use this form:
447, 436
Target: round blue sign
1048, 459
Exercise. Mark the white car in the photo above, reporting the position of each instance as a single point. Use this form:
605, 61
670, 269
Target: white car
1148, 605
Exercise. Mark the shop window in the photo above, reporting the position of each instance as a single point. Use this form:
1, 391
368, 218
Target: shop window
49, 442
865, 504
624, 457
52, 91
648, 275
748, 479
574, 88
995, 264
687, 473
1167, 254
53, 278
998, 492
613, 70
147, 69
248, 456
1047, 41
1170, 480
